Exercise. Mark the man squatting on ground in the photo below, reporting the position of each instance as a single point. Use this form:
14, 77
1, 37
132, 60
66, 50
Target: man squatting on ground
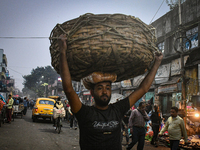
100, 125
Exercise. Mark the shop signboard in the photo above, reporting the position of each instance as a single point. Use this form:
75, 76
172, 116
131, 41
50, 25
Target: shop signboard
86, 93
167, 89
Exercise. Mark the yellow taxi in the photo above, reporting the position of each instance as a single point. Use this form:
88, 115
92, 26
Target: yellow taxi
43, 109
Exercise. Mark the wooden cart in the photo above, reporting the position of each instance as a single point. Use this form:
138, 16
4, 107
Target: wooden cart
18, 110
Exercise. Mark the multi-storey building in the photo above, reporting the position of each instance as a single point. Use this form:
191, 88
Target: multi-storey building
177, 38
3, 70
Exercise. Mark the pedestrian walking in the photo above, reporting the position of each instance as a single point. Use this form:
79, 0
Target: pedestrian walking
155, 123
66, 110
176, 129
25, 102
137, 123
73, 120
100, 124
125, 125
9, 108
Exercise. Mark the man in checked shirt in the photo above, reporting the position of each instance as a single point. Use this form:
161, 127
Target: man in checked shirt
137, 126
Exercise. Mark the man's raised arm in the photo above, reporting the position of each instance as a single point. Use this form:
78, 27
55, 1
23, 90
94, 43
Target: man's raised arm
73, 98
146, 83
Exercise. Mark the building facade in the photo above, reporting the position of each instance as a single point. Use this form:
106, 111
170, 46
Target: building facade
177, 38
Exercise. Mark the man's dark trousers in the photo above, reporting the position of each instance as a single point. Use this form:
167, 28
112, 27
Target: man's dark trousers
174, 144
137, 136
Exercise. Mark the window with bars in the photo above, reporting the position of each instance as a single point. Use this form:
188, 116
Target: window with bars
192, 35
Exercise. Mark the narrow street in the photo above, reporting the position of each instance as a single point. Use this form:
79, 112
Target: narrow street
23, 134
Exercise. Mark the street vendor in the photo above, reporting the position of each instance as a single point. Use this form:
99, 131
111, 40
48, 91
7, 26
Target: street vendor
176, 129
9, 108
100, 125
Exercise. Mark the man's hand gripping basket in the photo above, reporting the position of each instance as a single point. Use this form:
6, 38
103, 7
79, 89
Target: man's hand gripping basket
108, 43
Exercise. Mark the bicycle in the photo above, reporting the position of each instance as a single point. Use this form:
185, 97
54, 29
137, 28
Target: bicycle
58, 124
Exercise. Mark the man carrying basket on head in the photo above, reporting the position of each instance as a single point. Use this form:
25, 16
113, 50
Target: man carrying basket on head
100, 125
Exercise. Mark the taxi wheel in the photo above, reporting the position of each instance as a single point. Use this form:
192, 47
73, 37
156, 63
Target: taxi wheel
34, 118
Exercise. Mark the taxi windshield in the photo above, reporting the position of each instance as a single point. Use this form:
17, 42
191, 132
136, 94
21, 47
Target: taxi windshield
46, 102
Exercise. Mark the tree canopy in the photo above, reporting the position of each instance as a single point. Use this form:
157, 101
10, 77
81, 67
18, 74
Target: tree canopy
38, 78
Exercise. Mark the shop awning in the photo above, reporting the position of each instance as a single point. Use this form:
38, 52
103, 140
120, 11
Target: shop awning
172, 80
169, 87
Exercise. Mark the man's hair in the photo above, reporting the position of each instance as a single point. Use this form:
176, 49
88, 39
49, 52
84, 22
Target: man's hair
92, 85
58, 99
141, 103
175, 108
156, 108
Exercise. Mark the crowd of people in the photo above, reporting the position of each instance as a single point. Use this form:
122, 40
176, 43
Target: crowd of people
136, 119
6, 106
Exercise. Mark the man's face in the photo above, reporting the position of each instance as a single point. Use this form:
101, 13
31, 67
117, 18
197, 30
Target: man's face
102, 93
142, 107
173, 113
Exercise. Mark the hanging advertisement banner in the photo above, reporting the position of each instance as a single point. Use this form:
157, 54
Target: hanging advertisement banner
162, 74
137, 80
176, 66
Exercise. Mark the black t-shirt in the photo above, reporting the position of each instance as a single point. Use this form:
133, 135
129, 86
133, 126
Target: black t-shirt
100, 129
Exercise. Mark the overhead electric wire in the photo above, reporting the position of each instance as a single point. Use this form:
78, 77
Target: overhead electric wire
10, 37
15, 71
156, 12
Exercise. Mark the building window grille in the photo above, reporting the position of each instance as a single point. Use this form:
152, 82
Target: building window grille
161, 47
192, 35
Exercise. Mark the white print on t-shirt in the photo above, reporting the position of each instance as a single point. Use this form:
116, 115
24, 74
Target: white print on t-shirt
110, 124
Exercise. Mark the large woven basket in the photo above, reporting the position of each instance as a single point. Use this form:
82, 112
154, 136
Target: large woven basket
106, 43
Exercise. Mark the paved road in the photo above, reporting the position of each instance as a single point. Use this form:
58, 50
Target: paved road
23, 134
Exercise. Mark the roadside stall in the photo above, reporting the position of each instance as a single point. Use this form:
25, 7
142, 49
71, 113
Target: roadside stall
192, 126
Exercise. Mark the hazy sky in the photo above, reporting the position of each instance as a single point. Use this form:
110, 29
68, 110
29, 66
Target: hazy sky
37, 18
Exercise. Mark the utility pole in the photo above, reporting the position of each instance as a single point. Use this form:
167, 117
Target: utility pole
182, 68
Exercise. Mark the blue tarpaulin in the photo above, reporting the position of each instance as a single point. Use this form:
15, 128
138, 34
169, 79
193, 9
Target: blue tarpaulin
3, 98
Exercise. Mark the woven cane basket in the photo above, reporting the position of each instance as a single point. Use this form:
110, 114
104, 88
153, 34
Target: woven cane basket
107, 43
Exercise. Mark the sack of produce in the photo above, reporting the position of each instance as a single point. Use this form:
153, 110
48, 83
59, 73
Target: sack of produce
58, 112
15, 107
21, 106
107, 43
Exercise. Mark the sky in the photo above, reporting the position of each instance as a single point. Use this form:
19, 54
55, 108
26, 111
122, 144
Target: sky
30, 22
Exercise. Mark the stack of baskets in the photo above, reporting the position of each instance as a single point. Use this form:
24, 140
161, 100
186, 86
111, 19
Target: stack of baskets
108, 43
